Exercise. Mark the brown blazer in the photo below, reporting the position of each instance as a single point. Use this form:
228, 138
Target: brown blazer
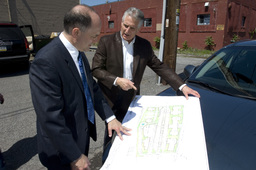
108, 64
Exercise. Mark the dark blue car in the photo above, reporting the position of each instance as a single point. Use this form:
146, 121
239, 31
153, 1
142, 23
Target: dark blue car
226, 82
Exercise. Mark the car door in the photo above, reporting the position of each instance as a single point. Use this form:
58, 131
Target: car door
29, 33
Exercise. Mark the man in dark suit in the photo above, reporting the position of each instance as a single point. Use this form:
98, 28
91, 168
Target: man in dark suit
119, 64
58, 93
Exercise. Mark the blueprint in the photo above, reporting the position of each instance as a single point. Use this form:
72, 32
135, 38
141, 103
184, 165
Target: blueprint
167, 133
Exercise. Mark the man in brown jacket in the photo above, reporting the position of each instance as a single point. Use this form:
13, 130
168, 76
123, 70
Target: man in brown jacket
119, 64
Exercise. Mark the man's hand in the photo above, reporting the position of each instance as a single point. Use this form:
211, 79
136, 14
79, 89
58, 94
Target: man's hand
82, 163
186, 91
125, 84
117, 126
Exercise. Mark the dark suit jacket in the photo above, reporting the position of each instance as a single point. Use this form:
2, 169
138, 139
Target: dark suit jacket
63, 129
108, 64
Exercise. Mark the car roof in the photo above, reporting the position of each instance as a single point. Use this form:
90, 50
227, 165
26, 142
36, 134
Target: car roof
6, 23
242, 43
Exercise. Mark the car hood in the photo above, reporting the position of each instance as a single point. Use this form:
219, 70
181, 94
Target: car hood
230, 129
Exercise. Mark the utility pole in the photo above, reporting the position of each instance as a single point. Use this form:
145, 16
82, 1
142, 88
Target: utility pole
171, 33
9, 12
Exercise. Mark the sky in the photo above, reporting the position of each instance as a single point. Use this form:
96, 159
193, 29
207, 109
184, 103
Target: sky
95, 2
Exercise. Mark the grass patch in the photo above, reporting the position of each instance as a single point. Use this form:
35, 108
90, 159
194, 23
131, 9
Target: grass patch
196, 52
192, 52
154, 48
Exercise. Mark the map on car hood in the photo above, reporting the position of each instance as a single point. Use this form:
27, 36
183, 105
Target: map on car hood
167, 133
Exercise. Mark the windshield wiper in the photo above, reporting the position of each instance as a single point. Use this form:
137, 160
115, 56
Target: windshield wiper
247, 97
208, 86
218, 90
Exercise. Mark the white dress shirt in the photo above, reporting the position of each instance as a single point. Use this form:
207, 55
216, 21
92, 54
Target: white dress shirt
71, 49
127, 58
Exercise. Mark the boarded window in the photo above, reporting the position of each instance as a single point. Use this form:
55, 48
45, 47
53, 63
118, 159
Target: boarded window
111, 24
147, 22
243, 21
203, 19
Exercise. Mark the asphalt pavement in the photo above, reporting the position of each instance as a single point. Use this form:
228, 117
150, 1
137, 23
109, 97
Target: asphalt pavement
18, 119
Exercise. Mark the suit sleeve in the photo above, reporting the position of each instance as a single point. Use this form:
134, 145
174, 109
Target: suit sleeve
49, 103
164, 71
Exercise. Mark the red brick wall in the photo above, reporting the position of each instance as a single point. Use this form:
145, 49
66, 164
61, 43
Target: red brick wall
236, 10
194, 34
225, 20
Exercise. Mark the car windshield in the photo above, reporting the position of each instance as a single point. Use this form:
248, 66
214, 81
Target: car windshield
232, 70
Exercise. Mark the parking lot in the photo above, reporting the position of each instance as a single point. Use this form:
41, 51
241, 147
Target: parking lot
18, 119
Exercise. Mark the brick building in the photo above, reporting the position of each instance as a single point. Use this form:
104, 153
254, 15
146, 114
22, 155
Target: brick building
111, 17
220, 19
45, 16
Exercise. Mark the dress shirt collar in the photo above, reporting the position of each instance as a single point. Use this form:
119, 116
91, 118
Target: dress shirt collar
125, 43
71, 49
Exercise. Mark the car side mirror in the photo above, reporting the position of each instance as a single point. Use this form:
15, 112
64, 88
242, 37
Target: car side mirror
189, 69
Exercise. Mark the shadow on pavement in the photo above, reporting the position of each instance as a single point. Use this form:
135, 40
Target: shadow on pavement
13, 69
96, 161
20, 153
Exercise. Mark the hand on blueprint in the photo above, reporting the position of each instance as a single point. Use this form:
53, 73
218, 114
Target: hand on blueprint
186, 91
81, 163
117, 126
125, 84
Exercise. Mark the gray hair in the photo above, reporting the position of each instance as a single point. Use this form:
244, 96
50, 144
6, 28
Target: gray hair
134, 13
78, 17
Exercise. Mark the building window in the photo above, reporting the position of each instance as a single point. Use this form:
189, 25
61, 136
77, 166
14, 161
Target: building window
147, 22
203, 19
243, 21
111, 24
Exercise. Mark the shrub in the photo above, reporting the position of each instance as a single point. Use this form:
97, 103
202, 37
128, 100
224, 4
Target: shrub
252, 33
185, 45
157, 42
235, 38
209, 42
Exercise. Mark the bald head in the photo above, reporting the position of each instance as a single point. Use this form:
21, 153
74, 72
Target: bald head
80, 16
